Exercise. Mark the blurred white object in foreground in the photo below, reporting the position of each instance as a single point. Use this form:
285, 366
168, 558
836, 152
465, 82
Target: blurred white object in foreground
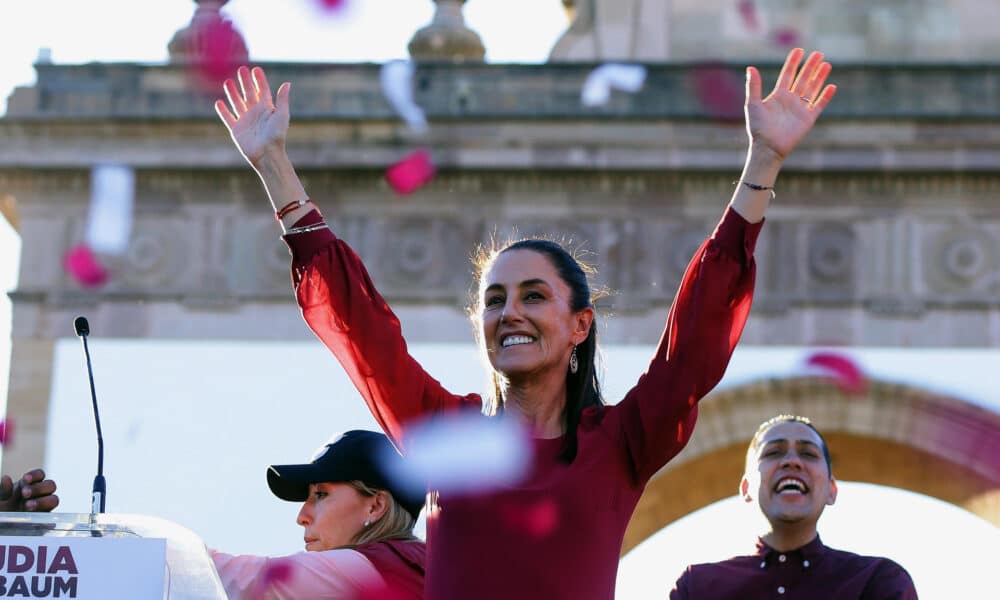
464, 452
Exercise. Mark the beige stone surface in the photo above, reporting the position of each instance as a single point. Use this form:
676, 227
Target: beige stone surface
846, 30
27, 398
884, 232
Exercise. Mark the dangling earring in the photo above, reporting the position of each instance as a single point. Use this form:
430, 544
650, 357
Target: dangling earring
574, 364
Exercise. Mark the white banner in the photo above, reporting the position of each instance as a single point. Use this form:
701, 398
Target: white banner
84, 568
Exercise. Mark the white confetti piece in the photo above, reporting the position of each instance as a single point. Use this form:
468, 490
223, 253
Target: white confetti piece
109, 220
397, 87
463, 453
597, 88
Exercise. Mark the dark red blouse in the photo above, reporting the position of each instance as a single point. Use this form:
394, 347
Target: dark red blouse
559, 533
813, 572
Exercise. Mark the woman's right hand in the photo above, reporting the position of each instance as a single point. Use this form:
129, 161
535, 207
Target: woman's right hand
258, 124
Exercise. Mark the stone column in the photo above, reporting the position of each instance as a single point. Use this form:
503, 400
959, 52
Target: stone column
30, 384
447, 38
616, 30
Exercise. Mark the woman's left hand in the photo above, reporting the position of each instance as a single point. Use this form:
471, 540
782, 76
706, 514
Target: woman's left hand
777, 124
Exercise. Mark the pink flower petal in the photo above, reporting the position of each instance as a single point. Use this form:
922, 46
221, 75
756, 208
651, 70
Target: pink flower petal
331, 5
6, 431
720, 91
84, 267
841, 369
411, 173
748, 12
785, 37
278, 571
218, 51
536, 519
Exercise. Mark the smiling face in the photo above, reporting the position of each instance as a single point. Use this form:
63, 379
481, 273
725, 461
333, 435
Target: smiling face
333, 515
529, 326
788, 475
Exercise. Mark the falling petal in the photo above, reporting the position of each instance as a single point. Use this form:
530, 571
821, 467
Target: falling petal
720, 92
276, 572
331, 5
396, 77
84, 267
463, 453
785, 37
109, 219
748, 12
599, 83
218, 49
6, 431
411, 173
536, 519
841, 369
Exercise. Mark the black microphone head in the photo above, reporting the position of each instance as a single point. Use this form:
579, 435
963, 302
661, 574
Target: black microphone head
81, 326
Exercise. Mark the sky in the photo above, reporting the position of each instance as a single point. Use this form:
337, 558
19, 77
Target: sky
188, 487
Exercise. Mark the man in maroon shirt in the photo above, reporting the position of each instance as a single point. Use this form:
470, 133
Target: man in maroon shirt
788, 473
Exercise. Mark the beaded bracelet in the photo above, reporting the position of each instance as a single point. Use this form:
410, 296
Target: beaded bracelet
284, 210
758, 188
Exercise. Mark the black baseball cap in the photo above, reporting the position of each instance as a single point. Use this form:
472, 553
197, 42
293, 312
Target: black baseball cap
359, 455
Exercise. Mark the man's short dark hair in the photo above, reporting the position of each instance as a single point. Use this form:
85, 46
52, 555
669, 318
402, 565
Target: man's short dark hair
766, 425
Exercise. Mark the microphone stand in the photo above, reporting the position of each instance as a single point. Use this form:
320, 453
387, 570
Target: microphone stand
100, 486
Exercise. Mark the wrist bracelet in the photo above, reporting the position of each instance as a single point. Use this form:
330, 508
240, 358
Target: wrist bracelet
758, 188
284, 210
306, 228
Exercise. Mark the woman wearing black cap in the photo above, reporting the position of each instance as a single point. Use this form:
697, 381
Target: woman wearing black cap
358, 530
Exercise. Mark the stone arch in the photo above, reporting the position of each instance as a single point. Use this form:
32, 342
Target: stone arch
893, 434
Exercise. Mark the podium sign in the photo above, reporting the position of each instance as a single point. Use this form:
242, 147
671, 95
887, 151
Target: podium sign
84, 568
103, 557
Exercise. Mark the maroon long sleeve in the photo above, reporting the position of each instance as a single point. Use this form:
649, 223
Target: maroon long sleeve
558, 533
813, 572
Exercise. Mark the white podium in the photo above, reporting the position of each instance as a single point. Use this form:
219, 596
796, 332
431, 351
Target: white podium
103, 557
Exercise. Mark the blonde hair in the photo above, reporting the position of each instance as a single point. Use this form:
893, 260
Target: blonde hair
396, 524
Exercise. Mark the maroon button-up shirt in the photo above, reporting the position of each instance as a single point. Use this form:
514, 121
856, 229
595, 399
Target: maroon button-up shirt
812, 572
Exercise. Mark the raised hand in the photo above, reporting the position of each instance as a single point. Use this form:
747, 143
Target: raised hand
257, 122
31, 493
779, 122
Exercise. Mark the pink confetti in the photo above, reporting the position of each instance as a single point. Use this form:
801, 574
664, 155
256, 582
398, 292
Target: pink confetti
411, 173
6, 431
277, 571
720, 92
785, 37
538, 519
332, 5
841, 369
748, 12
219, 50
84, 267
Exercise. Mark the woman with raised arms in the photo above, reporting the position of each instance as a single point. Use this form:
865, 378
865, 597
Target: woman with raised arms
558, 533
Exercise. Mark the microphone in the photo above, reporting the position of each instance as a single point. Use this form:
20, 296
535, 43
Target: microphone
82, 328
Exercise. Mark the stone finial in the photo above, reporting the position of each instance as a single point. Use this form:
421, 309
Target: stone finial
190, 43
447, 38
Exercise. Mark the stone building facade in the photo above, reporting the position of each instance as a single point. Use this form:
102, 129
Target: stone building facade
885, 231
